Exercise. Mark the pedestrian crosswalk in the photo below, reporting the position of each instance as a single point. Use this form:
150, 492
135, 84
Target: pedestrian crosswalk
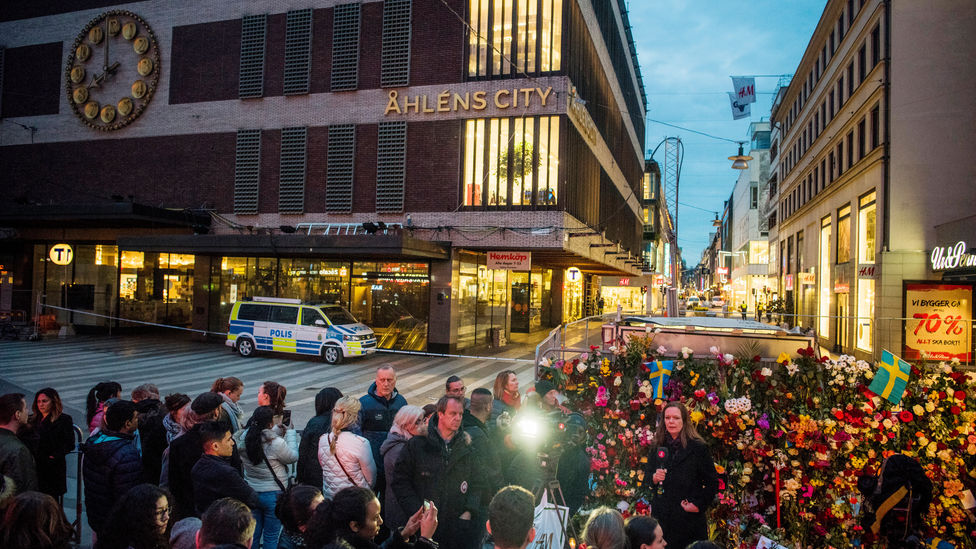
187, 365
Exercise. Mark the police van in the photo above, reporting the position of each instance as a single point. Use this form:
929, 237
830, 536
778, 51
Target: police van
290, 326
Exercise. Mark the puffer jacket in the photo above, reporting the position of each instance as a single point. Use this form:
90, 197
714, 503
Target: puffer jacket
280, 451
356, 457
390, 450
447, 473
376, 417
111, 467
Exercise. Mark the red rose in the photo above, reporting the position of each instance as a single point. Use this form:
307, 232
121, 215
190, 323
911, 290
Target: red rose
905, 416
955, 410
838, 414
942, 394
700, 394
960, 395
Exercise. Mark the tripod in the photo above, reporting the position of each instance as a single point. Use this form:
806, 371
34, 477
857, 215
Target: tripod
553, 490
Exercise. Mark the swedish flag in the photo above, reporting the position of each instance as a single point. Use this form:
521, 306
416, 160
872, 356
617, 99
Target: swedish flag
660, 375
891, 379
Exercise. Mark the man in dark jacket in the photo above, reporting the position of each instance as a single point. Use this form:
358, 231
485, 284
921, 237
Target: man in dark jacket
112, 464
379, 406
184, 452
213, 475
16, 460
442, 467
474, 424
308, 470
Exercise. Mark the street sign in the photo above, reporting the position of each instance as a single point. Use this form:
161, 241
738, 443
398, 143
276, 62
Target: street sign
61, 254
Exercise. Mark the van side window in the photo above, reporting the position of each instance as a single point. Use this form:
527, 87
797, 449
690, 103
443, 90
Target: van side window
284, 315
253, 311
309, 316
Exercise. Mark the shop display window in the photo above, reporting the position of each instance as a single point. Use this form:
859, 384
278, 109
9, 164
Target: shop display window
866, 227
823, 323
86, 285
156, 287
394, 300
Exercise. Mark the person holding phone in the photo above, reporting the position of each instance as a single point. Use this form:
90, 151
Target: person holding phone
684, 478
266, 456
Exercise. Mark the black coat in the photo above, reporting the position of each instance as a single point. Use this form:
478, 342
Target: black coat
447, 474
152, 435
376, 417
309, 471
184, 452
53, 441
484, 446
111, 467
214, 478
691, 476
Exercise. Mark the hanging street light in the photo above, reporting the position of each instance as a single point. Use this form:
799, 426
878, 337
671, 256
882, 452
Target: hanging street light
740, 161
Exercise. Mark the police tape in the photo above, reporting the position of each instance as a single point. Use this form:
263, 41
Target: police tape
208, 332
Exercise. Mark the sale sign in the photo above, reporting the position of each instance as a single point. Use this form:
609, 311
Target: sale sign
938, 321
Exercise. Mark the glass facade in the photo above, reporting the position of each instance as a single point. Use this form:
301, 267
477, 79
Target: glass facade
866, 226
511, 162
87, 284
514, 37
823, 324
156, 287
844, 234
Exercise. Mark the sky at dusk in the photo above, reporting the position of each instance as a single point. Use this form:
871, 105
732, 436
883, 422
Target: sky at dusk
687, 50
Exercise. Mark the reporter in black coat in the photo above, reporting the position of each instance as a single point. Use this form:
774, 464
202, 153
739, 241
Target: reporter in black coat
52, 438
683, 478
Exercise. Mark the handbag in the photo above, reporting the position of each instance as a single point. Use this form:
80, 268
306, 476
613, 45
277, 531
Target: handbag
277, 480
343, 467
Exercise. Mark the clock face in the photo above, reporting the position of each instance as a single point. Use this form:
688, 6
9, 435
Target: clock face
112, 70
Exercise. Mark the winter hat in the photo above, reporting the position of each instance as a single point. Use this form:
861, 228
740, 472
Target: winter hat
543, 386
206, 403
184, 532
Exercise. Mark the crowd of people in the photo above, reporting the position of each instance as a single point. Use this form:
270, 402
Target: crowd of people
373, 471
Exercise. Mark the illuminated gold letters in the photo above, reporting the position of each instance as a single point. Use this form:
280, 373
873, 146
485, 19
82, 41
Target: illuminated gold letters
392, 105
479, 101
498, 96
447, 101
460, 102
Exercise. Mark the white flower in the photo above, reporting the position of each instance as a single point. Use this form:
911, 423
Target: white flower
661, 349
728, 358
686, 352
647, 329
623, 506
714, 350
766, 372
613, 348
581, 367
792, 368
545, 362
616, 381
657, 330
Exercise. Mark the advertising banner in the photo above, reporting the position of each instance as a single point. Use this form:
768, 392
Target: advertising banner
510, 261
938, 321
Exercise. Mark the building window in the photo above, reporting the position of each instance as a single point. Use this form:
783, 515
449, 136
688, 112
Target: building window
253, 33
511, 161
861, 138
862, 66
844, 234
753, 196
514, 37
840, 90
832, 42
866, 233
850, 149
391, 166
850, 80
840, 158
395, 64
298, 51
345, 47
830, 162
840, 29
341, 157
291, 179
875, 126
247, 171
823, 173
876, 45
824, 313
816, 179
830, 103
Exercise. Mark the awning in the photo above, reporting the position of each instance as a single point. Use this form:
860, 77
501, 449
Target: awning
360, 246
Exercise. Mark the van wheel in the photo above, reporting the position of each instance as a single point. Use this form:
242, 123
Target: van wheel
245, 347
332, 355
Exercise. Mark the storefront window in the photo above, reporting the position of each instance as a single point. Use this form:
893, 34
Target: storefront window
531, 44
823, 325
87, 284
758, 252
467, 301
314, 281
394, 300
522, 161
572, 295
156, 287
865, 255
844, 234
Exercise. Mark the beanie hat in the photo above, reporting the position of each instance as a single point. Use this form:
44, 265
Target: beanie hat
543, 386
206, 403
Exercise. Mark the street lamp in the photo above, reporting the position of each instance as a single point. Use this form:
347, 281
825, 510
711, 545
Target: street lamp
740, 161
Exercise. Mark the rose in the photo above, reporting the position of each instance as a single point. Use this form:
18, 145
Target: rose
960, 395
686, 352
905, 416
661, 349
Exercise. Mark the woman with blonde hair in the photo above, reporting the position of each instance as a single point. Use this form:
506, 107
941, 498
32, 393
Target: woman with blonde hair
683, 476
346, 458
408, 423
605, 530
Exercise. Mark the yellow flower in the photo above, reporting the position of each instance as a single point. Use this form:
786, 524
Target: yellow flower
929, 407
918, 410
697, 416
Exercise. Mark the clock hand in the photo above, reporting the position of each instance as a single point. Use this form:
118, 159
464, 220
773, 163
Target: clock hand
96, 80
112, 68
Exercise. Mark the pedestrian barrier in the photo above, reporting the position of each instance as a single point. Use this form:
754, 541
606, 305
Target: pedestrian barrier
79, 500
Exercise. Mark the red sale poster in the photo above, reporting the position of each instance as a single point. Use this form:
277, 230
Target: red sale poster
938, 323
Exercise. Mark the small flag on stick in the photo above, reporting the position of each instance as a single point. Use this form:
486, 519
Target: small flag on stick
891, 379
660, 375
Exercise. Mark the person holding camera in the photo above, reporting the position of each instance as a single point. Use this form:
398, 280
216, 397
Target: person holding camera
683, 476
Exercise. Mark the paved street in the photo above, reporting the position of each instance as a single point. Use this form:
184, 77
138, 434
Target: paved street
188, 365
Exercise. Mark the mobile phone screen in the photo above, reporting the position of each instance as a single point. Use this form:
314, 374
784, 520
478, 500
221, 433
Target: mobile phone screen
286, 417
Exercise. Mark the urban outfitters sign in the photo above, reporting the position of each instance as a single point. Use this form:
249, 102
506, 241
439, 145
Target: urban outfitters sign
510, 261
448, 101
938, 321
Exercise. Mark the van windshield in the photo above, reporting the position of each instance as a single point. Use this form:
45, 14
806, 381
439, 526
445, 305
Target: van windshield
338, 315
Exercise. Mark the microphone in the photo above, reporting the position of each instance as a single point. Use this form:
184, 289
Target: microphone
662, 455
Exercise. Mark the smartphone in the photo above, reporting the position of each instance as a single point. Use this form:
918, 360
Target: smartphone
286, 418
426, 505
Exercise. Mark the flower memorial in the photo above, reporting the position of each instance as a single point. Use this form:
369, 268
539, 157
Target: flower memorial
789, 438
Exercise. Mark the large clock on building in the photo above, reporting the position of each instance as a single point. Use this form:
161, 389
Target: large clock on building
112, 70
